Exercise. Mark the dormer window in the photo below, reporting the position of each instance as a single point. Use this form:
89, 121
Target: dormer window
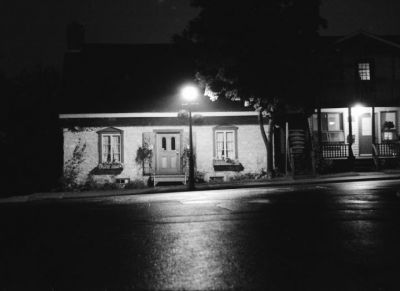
364, 71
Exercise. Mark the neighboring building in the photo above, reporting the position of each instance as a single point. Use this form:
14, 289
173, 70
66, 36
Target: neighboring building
359, 97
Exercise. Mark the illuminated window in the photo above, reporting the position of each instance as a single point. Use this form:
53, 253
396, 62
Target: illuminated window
364, 71
225, 143
389, 125
110, 145
332, 126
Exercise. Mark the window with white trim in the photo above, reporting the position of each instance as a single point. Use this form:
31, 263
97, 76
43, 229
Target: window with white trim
389, 125
225, 144
332, 126
110, 145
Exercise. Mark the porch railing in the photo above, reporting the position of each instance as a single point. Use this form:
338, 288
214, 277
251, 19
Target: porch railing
388, 149
334, 150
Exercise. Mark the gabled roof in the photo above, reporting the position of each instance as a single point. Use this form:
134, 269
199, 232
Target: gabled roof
364, 33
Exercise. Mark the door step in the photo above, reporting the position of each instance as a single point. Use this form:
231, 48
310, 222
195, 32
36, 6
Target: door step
169, 178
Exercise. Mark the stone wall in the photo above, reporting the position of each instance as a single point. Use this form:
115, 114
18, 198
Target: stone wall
250, 150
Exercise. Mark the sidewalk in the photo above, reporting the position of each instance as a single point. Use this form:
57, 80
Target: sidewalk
281, 181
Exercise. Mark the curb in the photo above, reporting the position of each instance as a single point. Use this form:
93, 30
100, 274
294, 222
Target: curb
54, 196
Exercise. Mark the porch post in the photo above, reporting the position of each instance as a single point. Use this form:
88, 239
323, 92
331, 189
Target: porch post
319, 128
374, 151
350, 138
373, 125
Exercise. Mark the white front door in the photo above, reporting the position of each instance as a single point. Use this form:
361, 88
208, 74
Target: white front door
168, 153
365, 134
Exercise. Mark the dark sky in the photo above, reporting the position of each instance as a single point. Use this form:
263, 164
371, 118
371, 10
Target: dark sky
34, 31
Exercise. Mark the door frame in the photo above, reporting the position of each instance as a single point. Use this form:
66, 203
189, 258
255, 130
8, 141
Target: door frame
360, 134
156, 153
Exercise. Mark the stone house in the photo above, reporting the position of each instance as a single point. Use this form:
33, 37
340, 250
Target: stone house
226, 144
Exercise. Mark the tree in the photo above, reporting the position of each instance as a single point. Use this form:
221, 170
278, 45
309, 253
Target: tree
261, 52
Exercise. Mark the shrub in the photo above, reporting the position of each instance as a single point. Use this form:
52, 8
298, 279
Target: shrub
245, 176
72, 167
135, 184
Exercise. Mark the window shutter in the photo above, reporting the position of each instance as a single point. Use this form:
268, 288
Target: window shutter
148, 139
341, 121
324, 121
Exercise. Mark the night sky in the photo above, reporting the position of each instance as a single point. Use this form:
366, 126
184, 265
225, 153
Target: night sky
34, 31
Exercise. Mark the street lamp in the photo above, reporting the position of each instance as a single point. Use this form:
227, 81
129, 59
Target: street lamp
190, 93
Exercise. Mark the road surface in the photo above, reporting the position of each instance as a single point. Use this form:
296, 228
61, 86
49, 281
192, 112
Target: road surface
339, 236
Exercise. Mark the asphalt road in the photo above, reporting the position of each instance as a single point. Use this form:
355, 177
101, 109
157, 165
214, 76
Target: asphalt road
339, 236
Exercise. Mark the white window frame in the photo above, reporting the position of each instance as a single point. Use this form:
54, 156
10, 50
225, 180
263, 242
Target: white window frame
327, 134
112, 147
225, 132
390, 132
110, 132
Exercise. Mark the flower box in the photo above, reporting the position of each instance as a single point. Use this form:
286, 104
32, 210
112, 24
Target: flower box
108, 169
227, 165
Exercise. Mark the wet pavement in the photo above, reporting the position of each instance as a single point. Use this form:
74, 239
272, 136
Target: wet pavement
338, 236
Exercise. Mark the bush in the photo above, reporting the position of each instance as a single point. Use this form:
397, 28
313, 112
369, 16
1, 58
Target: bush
135, 184
68, 182
246, 176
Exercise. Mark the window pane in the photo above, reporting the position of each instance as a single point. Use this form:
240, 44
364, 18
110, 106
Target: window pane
116, 158
336, 136
116, 148
173, 143
389, 119
229, 145
219, 136
164, 143
333, 122
324, 121
106, 148
315, 122
364, 71
388, 135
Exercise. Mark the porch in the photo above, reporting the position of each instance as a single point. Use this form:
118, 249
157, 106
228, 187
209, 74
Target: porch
356, 132
334, 150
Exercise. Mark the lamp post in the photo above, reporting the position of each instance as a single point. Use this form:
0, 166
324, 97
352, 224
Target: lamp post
190, 93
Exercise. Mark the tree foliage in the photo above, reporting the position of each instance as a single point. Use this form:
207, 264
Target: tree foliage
256, 50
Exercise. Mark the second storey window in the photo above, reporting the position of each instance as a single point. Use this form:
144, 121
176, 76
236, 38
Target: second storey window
225, 143
364, 71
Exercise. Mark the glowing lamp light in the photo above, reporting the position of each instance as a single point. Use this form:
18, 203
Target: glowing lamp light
190, 93
358, 109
